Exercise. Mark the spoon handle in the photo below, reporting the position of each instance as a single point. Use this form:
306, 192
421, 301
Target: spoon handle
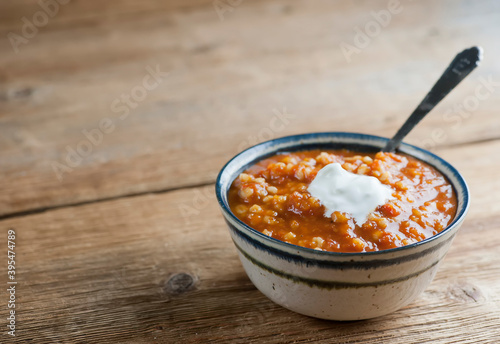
459, 68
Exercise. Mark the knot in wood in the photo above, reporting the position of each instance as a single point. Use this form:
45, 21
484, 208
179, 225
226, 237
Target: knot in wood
466, 292
180, 283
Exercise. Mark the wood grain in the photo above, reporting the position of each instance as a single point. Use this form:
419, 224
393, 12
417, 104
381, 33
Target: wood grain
84, 13
129, 246
133, 270
227, 80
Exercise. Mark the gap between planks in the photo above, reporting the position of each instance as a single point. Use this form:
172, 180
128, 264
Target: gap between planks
170, 189
104, 199
470, 143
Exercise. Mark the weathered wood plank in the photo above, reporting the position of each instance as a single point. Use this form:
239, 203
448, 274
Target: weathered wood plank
77, 13
225, 83
102, 273
136, 269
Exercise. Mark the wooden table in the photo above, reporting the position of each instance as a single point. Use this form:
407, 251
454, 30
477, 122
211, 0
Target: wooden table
117, 115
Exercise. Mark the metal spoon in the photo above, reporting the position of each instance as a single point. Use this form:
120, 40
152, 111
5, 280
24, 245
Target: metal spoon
459, 68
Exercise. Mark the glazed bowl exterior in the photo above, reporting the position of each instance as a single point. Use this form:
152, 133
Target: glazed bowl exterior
331, 285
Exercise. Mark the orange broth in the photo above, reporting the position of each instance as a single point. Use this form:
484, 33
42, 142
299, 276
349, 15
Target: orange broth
271, 197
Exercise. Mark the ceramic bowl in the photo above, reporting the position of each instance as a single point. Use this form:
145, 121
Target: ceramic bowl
330, 285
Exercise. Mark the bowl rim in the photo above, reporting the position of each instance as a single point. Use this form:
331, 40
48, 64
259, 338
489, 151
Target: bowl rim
359, 136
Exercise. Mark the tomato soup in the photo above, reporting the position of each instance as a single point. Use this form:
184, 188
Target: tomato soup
272, 197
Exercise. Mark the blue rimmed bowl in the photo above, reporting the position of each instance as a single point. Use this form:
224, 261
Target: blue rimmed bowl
330, 285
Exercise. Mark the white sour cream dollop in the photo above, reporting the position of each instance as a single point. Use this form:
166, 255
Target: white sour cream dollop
343, 191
